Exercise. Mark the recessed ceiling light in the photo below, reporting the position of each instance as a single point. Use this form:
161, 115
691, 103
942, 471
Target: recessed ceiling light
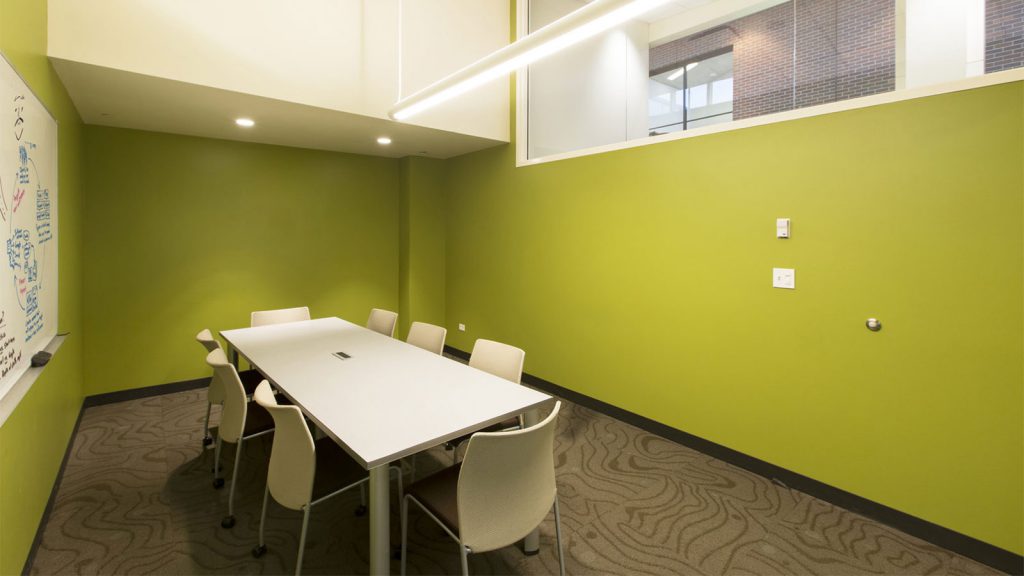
245, 122
384, 140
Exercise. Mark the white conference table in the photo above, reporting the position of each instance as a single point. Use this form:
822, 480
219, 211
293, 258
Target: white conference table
386, 401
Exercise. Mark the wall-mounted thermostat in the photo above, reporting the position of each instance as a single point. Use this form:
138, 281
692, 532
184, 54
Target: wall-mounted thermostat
782, 227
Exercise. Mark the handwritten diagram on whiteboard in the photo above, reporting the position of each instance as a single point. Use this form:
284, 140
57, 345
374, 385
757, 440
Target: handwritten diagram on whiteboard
28, 226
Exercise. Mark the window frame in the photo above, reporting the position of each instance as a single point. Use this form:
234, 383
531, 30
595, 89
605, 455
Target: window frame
898, 95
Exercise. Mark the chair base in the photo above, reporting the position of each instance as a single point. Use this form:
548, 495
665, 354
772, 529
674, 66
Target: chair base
227, 522
218, 483
258, 551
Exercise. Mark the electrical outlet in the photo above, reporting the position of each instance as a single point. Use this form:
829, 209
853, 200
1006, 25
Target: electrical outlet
462, 327
784, 278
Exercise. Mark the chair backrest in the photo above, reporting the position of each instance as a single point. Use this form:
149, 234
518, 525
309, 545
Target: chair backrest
293, 455
265, 317
427, 336
232, 416
382, 321
215, 393
205, 337
498, 359
506, 485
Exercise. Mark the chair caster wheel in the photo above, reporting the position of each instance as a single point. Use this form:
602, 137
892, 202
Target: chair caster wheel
396, 553
207, 441
218, 483
449, 446
360, 510
227, 522
258, 551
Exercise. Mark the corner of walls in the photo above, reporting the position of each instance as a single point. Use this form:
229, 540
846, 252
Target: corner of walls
35, 437
404, 191
422, 241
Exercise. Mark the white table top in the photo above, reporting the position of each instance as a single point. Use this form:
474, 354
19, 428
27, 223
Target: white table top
390, 399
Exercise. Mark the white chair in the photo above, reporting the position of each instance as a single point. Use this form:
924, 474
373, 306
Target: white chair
240, 420
382, 321
215, 392
503, 361
304, 472
427, 336
499, 359
265, 317
500, 492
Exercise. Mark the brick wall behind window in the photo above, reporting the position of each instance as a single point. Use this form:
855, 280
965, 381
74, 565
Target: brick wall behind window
1004, 35
843, 49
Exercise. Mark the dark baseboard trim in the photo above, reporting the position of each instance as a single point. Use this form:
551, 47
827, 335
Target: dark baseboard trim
456, 352
148, 391
973, 548
45, 518
87, 402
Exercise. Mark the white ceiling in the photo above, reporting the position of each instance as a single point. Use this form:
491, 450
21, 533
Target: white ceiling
313, 74
110, 97
186, 67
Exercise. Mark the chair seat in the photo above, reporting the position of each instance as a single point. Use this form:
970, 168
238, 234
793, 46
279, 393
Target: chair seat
250, 380
335, 469
439, 494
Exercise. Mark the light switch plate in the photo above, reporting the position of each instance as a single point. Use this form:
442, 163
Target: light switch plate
462, 327
784, 278
782, 227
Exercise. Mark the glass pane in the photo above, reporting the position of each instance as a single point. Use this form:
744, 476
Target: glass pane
665, 102
721, 91
704, 75
698, 96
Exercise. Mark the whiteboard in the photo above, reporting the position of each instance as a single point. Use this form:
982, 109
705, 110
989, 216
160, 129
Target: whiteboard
28, 226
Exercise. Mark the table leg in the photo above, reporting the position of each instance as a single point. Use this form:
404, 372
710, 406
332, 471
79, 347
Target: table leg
234, 356
531, 544
380, 516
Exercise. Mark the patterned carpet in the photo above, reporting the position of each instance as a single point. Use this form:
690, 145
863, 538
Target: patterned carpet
136, 498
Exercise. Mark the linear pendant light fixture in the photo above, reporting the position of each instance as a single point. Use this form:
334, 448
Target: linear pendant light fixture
589, 21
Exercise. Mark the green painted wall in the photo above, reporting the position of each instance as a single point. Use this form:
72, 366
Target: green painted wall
422, 221
642, 278
185, 233
34, 437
